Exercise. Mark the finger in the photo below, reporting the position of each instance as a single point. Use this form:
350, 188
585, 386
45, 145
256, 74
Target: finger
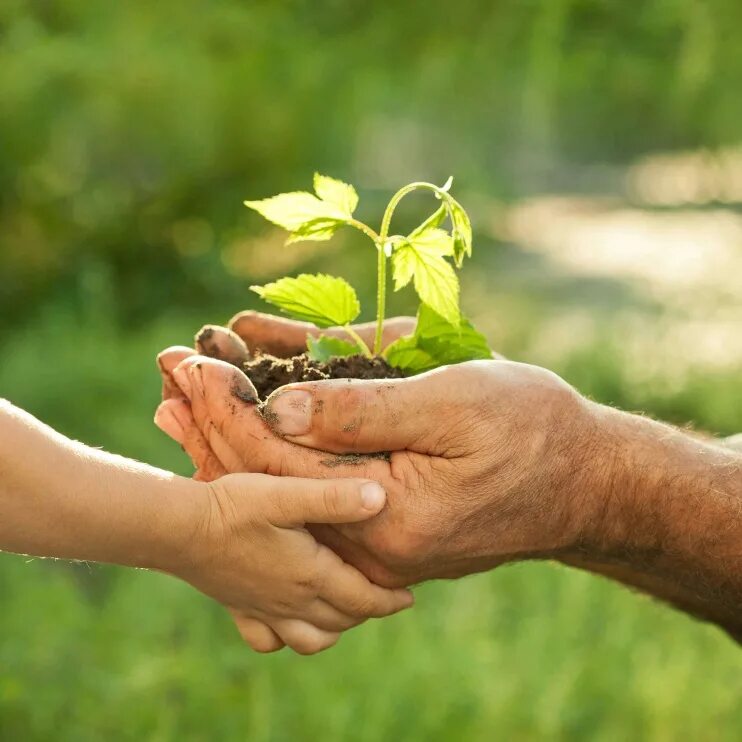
168, 423
368, 416
174, 417
349, 546
292, 502
348, 590
284, 337
219, 342
303, 637
325, 616
258, 635
167, 360
189, 379
224, 401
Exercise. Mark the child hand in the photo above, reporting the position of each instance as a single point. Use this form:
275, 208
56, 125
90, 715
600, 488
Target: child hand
253, 554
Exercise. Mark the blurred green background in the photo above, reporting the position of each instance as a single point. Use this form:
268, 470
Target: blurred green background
598, 147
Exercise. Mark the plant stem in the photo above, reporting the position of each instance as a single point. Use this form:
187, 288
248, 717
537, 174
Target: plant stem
381, 291
380, 297
365, 229
380, 244
358, 340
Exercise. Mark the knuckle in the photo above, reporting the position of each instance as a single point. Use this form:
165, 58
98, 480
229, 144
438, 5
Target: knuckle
306, 587
363, 606
334, 498
284, 505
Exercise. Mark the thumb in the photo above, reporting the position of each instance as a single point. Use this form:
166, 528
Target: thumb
348, 415
293, 501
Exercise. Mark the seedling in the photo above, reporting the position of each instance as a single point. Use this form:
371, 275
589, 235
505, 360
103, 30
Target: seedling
423, 258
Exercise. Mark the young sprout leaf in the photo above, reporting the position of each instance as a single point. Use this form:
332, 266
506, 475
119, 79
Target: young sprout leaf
321, 299
406, 355
436, 342
449, 344
292, 210
310, 217
336, 192
462, 234
317, 230
433, 221
325, 347
421, 257
442, 335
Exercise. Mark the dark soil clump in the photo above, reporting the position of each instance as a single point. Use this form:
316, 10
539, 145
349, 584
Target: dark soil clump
267, 372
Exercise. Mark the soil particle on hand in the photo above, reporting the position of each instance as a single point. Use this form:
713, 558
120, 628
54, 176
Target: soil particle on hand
244, 395
268, 373
354, 459
271, 418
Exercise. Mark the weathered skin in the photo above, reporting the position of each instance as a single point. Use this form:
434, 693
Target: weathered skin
491, 461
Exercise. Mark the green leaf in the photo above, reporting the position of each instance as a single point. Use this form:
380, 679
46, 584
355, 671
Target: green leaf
406, 355
437, 342
448, 343
292, 210
421, 257
317, 230
321, 299
310, 217
433, 221
462, 233
336, 192
325, 347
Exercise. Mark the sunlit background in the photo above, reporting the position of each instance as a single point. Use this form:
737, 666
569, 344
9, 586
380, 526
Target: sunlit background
598, 147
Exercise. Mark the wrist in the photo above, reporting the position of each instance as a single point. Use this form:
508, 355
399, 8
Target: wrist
577, 478
175, 541
657, 490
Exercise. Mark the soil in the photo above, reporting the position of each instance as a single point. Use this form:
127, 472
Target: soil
267, 372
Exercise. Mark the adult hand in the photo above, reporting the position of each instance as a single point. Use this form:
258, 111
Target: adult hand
247, 333
472, 479
501, 461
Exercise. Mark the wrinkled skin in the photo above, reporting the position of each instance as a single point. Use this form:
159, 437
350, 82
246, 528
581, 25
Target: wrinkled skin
461, 496
490, 462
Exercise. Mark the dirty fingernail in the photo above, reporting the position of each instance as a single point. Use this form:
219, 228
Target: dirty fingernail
168, 423
372, 496
291, 412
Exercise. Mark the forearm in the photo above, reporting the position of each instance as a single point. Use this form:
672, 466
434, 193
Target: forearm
734, 442
59, 498
668, 516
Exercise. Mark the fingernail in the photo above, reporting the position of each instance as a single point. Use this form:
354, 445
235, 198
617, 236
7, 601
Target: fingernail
291, 412
197, 378
168, 423
372, 496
